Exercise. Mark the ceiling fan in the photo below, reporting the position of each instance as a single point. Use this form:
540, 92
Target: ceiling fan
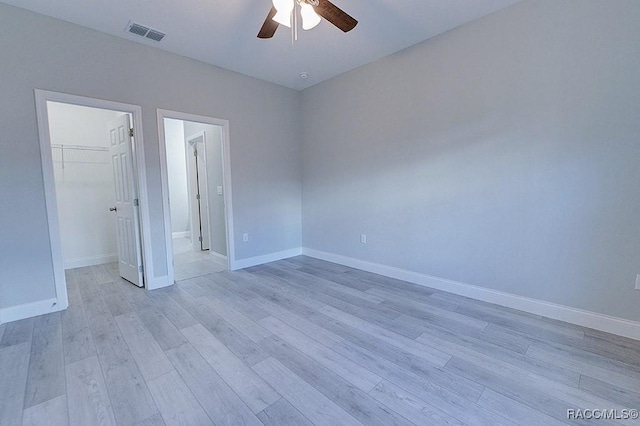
283, 13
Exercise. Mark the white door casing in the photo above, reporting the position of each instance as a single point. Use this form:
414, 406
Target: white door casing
126, 208
227, 187
150, 281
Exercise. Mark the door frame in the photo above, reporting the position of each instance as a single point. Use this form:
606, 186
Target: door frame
44, 96
187, 147
226, 182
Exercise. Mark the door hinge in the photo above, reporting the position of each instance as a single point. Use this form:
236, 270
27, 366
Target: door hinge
197, 196
136, 202
195, 152
131, 132
200, 238
141, 268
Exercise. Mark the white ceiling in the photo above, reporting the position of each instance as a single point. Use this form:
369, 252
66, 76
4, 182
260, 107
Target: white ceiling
223, 32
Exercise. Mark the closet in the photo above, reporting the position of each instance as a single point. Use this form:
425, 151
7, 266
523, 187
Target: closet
84, 183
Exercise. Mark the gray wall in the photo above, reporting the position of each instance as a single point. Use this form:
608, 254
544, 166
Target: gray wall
213, 151
41, 52
504, 154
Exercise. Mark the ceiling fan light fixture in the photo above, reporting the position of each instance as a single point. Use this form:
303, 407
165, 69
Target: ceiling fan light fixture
309, 16
311, 11
284, 9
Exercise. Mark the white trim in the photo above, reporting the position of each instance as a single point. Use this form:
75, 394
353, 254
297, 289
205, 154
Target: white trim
610, 324
46, 159
218, 256
160, 282
226, 183
266, 258
181, 234
28, 310
202, 134
219, 260
81, 262
42, 97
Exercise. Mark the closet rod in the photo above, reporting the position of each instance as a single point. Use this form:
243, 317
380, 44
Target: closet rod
80, 147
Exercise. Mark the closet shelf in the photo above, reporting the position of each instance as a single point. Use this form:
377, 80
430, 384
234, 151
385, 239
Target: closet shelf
80, 147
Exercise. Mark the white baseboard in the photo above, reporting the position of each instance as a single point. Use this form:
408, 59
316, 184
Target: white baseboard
609, 324
259, 260
81, 262
218, 256
158, 282
28, 310
181, 234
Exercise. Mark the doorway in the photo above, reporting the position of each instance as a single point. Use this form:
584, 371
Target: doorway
91, 166
197, 184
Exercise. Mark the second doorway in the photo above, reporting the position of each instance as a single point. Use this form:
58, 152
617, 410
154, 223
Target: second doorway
196, 192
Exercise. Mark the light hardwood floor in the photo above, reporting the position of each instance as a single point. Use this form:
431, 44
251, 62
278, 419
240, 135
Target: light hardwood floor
302, 342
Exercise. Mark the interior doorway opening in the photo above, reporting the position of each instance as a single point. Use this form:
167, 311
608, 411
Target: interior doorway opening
196, 190
125, 131
96, 191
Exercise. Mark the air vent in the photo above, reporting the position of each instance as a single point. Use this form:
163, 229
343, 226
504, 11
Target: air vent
155, 35
138, 29
143, 31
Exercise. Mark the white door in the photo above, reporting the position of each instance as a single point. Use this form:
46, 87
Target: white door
200, 216
126, 208
203, 198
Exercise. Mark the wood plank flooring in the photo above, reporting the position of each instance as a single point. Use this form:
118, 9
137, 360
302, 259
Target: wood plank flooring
303, 342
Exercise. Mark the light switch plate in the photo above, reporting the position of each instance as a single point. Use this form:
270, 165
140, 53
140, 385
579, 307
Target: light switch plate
219, 190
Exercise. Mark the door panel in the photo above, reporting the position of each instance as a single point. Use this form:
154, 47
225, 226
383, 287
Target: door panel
201, 172
198, 193
127, 219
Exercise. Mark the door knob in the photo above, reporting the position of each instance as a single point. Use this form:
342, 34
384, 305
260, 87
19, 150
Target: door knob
113, 209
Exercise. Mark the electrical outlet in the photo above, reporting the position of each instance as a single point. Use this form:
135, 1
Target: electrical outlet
245, 237
638, 282
363, 238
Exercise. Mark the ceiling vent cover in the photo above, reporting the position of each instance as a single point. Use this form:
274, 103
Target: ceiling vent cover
155, 35
143, 31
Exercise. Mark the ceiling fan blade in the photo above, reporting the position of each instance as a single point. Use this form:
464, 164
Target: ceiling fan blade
335, 15
270, 26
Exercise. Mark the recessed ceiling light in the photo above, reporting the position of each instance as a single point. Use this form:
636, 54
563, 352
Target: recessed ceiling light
304, 75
